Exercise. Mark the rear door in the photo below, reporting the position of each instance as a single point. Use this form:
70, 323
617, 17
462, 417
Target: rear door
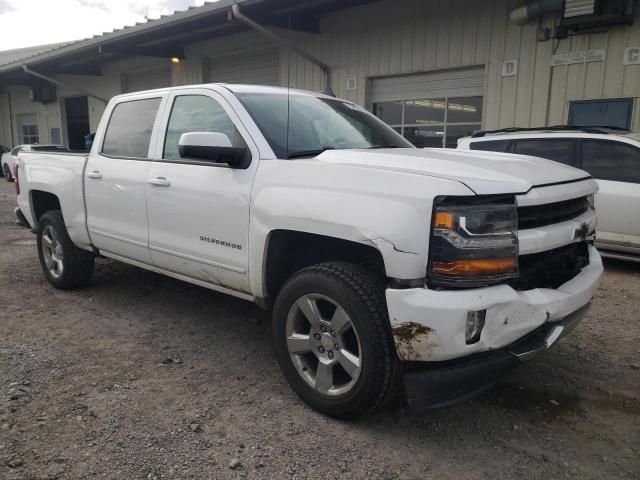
616, 167
199, 211
116, 179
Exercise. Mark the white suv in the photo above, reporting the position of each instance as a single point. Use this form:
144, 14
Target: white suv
611, 156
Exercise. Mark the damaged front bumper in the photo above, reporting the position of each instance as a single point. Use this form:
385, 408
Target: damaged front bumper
432, 385
428, 328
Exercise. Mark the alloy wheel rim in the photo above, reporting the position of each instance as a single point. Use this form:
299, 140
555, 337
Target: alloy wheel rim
323, 344
52, 252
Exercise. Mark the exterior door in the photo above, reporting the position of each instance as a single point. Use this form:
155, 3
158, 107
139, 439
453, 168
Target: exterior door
116, 180
199, 211
253, 67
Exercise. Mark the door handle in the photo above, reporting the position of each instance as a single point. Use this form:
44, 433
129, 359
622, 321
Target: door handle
159, 182
95, 174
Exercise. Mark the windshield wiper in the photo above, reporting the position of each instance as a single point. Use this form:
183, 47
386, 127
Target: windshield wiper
309, 153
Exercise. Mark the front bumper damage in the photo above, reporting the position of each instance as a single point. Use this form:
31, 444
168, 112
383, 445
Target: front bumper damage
429, 333
440, 384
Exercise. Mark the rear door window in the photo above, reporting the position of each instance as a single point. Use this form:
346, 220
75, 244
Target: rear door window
491, 145
130, 127
607, 160
558, 150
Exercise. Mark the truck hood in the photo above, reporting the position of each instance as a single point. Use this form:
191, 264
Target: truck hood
483, 172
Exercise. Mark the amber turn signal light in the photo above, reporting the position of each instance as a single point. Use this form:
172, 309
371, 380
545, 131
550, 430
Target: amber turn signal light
474, 267
443, 220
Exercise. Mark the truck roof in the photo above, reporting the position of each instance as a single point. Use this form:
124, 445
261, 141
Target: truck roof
234, 88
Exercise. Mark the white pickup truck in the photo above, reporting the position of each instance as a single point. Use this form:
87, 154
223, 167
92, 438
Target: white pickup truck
386, 266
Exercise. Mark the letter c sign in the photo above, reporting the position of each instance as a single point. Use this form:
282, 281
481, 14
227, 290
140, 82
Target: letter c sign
631, 56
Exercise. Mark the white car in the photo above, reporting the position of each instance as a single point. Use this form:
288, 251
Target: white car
8, 159
374, 255
611, 156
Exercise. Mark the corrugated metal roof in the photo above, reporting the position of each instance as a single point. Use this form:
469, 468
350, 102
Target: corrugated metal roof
17, 54
33, 52
56, 52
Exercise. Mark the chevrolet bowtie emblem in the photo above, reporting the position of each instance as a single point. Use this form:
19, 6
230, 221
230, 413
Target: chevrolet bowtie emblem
581, 232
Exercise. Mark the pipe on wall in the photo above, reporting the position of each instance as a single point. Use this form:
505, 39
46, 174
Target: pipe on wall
28, 71
13, 137
238, 15
533, 9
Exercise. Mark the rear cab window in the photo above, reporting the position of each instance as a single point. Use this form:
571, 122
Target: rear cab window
130, 127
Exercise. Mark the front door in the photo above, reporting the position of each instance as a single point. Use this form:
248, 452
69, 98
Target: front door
116, 181
199, 211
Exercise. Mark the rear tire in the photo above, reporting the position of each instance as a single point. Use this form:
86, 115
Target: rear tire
65, 265
333, 341
7, 173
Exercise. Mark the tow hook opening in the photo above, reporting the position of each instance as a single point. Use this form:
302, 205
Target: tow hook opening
474, 326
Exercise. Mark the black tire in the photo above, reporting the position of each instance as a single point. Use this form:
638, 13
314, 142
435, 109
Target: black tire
7, 173
361, 295
77, 264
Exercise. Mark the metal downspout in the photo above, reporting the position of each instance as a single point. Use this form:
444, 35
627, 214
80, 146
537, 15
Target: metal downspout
28, 71
237, 14
13, 137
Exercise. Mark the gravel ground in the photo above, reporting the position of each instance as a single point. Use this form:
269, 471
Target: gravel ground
142, 376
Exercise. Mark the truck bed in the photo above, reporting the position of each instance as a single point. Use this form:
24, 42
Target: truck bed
60, 174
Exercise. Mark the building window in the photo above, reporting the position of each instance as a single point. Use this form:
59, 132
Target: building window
433, 122
613, 112
30, 134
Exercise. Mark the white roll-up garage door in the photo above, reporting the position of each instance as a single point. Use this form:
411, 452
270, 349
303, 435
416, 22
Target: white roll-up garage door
255, 67
158, 77
450, 83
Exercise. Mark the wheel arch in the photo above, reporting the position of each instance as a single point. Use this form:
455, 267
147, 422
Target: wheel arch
288, 251
41, 203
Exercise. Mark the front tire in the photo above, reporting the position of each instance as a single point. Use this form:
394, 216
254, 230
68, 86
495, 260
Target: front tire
65, 265
333, 341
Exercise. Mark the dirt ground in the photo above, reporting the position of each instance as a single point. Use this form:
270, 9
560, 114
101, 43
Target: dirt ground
142, 376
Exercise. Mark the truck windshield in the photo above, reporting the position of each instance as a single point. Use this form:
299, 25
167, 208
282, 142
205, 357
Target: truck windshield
316, 124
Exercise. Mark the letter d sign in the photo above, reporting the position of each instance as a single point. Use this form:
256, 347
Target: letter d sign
631, 56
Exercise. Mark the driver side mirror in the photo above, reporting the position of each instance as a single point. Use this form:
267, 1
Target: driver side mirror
214, 147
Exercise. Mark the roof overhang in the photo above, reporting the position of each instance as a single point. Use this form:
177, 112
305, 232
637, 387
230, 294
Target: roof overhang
168, 35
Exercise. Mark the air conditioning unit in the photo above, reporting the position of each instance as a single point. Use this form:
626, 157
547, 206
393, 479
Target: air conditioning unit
582, 15
43, 93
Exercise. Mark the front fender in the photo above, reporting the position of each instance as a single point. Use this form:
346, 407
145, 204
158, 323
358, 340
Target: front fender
388, 210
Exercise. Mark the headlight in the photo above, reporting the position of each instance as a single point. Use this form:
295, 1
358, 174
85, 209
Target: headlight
473, 245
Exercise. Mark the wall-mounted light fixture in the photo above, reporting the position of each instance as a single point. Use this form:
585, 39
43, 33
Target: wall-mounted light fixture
175, 60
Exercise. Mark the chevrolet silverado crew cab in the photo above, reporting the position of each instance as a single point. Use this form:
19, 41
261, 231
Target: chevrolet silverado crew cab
385, 266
